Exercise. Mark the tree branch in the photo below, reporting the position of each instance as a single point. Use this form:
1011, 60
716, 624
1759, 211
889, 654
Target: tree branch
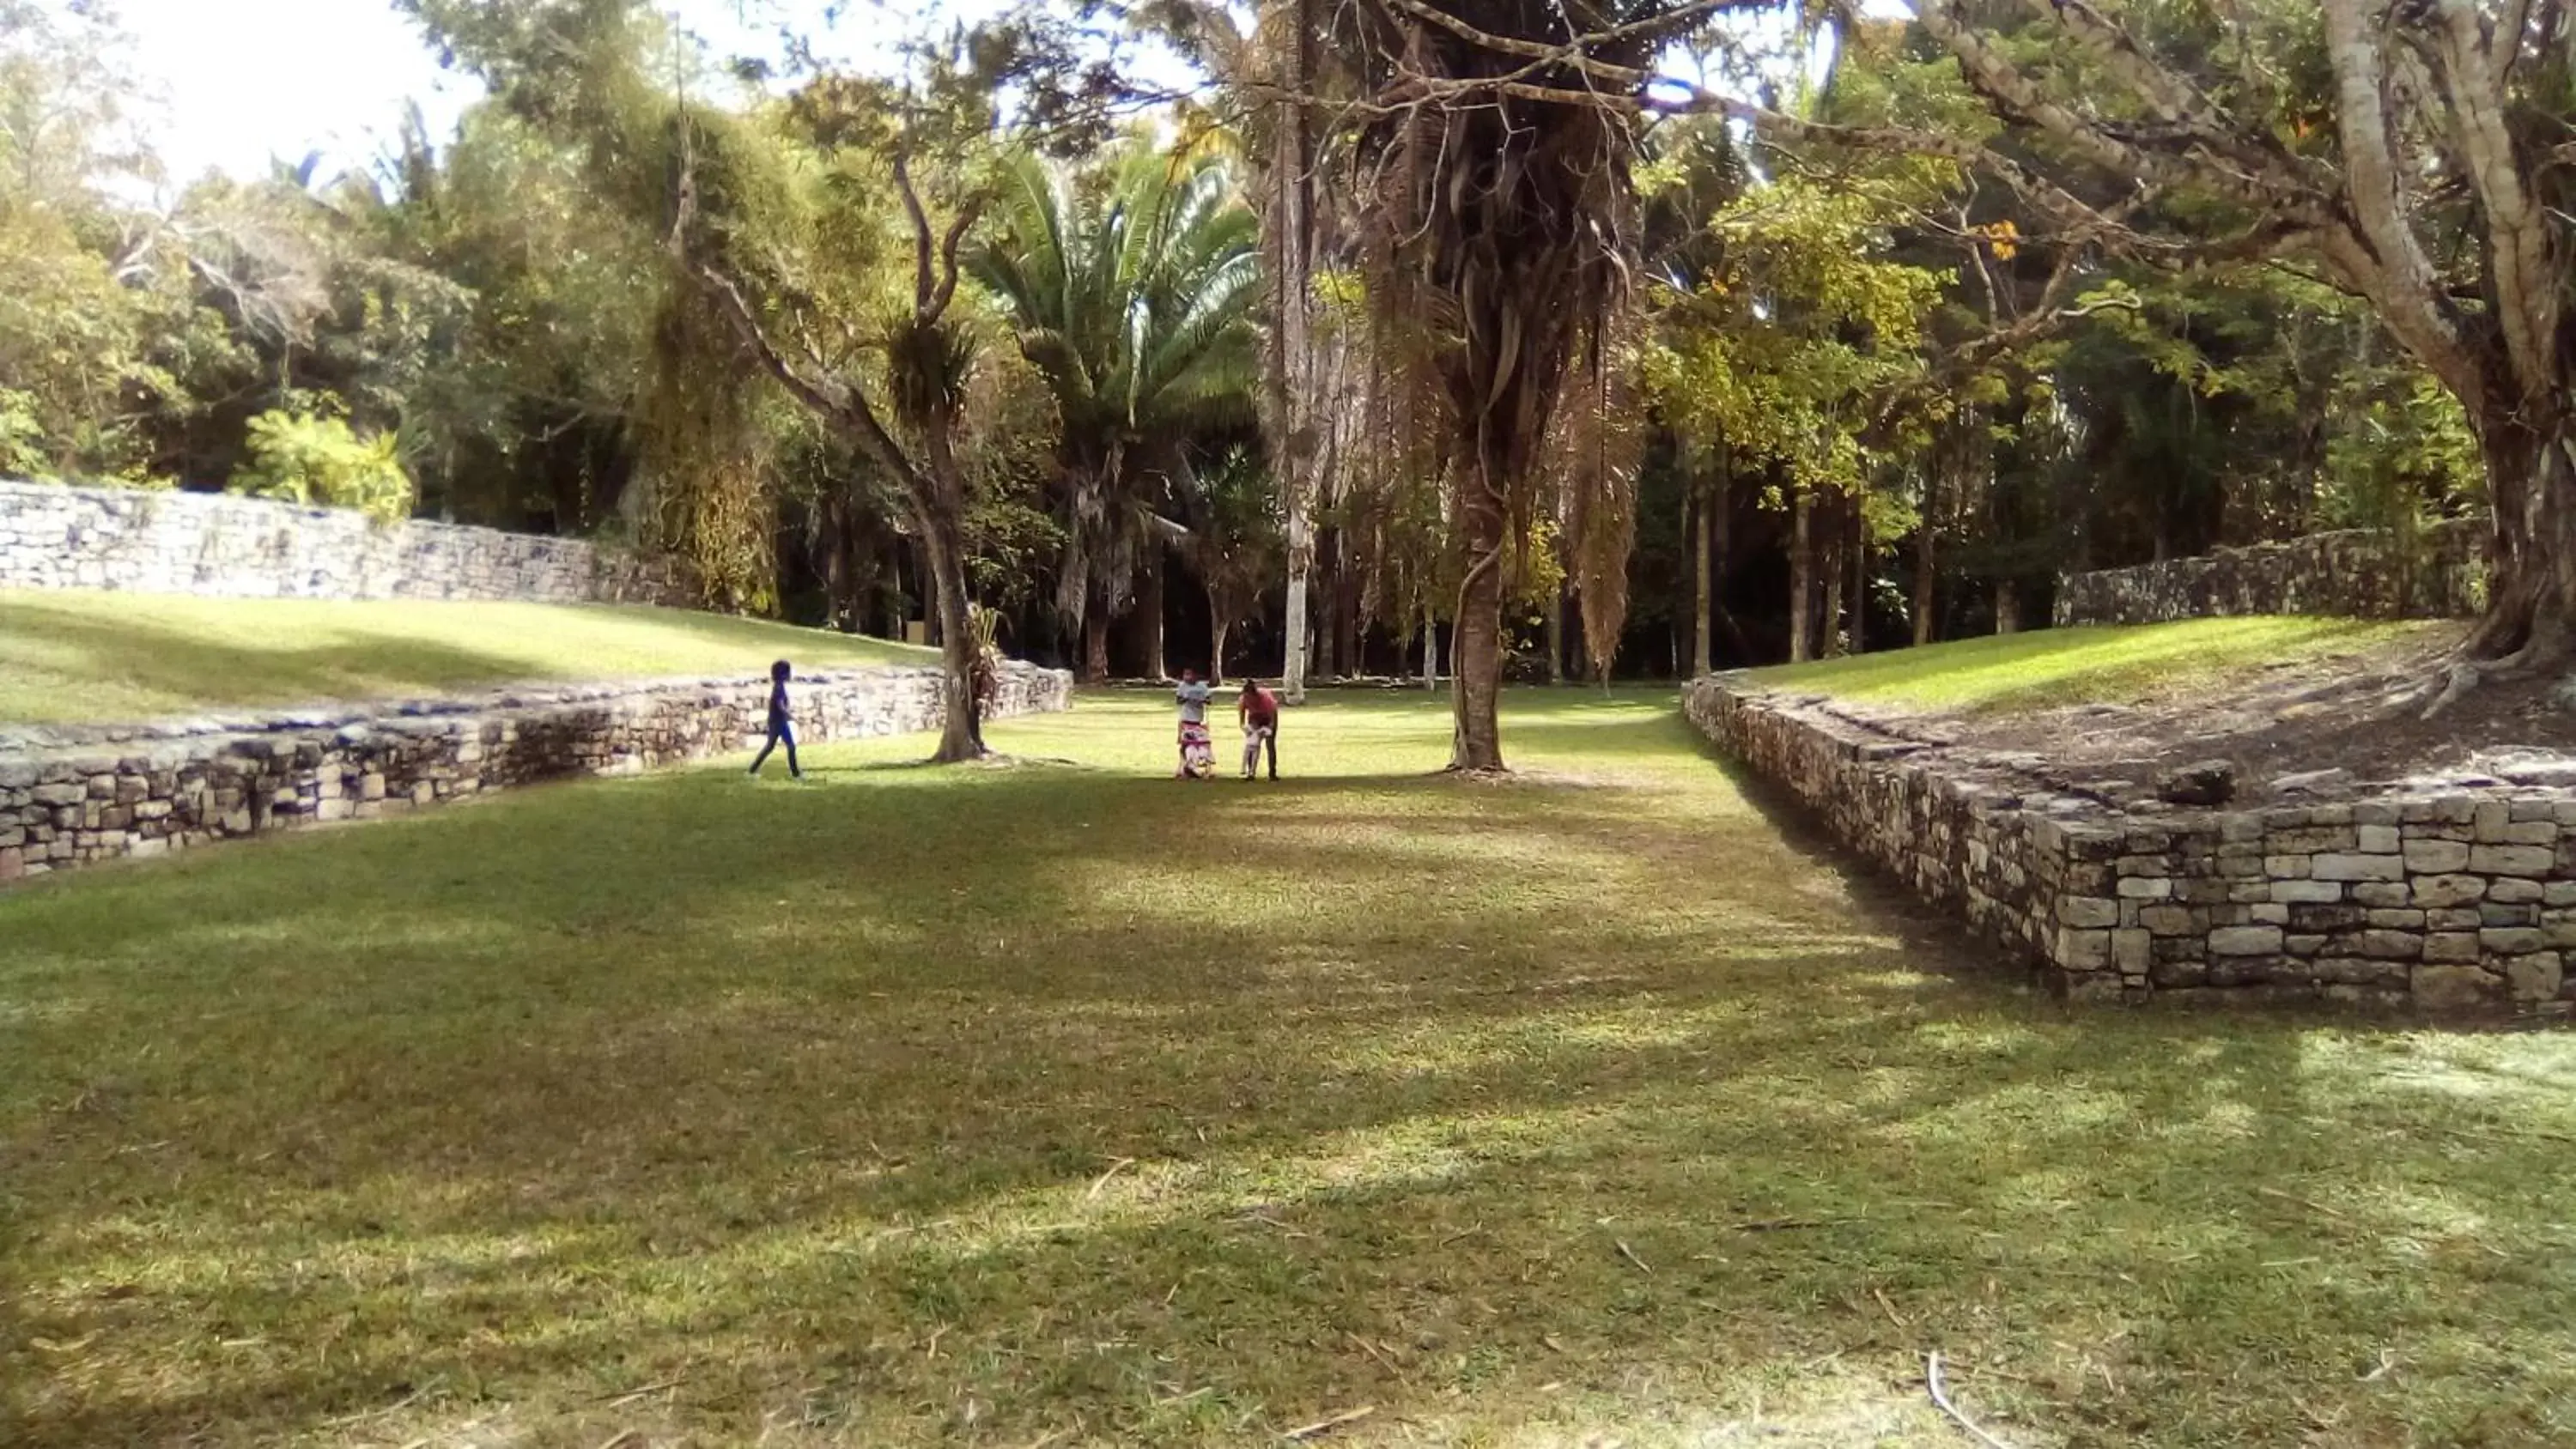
2385, 259
1995, 78
2526, 285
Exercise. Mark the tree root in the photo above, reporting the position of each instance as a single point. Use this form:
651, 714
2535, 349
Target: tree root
2460, 680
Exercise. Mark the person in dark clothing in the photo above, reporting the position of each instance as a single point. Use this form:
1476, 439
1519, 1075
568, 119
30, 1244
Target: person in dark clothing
781, 727
1258, 708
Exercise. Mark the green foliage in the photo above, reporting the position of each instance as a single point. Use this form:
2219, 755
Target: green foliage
1804, 322
1130, 285
2400, 459
298, 457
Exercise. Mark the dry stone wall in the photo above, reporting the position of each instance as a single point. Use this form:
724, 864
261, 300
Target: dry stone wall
178, 789
57, 537
2357, 573
2457, 897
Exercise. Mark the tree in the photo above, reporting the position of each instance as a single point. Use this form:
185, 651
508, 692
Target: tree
1491, 154
2396, 148
787, 245
1133, 300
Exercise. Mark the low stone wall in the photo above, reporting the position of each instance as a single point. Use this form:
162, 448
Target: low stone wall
57, 537
2457, 899
2357, 573
67, 808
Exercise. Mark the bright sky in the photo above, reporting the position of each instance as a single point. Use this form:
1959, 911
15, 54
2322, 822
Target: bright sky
243, 81
247, 80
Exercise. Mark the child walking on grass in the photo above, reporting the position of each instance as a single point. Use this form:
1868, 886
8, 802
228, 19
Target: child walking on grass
781, 728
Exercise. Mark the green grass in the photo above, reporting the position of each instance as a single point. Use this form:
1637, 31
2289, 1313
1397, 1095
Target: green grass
78, 656
1069, 1104
2120, 664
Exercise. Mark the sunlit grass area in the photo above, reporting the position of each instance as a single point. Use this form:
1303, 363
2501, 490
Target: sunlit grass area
78, 656
1065, 1103
2067, 666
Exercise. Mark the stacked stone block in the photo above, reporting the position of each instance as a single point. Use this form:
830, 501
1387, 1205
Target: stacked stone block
62, 809
2356, 573
57, 537
2462, 900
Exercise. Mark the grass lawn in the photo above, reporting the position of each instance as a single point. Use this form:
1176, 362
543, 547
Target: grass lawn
1066, 1104
86, 657
2115, 663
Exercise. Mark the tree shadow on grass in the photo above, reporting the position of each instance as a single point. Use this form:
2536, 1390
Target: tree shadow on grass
1064, 1103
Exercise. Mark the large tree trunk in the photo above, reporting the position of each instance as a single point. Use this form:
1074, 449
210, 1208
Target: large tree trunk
1476, 648
1430, 650
1095, 643
1802, 583
1149, 607
1217, 627
2530, 621
1292, 365
961, 728
2007, 607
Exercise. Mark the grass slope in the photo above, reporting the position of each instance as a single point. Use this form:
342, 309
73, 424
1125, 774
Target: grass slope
78, 656
2121, 664
1072, 1105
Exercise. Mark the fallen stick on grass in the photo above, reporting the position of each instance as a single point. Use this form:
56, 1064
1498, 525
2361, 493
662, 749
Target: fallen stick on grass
1121, 1165
1326, 1426
1941, 1398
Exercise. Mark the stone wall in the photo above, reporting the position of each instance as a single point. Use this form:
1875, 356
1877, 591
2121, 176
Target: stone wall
178, 789
2358, 573
2454, 899
57, 537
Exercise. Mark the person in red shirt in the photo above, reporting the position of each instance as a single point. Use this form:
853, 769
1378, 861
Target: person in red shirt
1258, 708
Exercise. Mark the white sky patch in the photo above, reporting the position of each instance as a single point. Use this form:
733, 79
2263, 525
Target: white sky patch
235, 84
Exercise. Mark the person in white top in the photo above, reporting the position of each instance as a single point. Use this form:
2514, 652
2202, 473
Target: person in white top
1193, 697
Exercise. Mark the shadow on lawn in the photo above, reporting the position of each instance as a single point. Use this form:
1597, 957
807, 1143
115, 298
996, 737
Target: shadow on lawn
977, 1107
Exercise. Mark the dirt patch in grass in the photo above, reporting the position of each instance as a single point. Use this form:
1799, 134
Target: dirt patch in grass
2348, 706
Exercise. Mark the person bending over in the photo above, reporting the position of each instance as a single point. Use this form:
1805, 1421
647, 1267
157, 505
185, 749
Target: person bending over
1258, 708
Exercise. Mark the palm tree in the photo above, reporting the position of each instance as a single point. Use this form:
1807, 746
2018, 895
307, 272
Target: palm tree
1133, 298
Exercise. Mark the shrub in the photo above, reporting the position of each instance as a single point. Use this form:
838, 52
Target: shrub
318, 461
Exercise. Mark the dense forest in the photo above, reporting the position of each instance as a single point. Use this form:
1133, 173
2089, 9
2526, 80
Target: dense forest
1437, 336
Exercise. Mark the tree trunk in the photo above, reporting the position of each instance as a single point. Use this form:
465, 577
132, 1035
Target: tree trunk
2007, 607
961, 727
1476, 648
1703, 611
1556, 639
1095, 644
1924, 563
1802, 584
1831, 546
2530, 620
1346, 614
1430, 650
1859, 579
1156, 666
1293, 372
1292, 680
1216, 653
